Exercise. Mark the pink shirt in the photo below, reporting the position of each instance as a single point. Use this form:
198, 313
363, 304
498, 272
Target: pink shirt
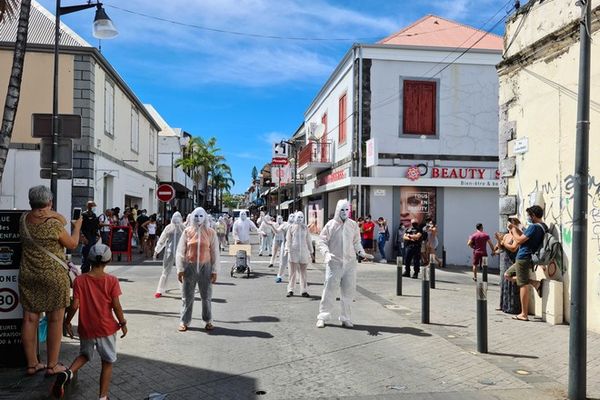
95, 297
479, 240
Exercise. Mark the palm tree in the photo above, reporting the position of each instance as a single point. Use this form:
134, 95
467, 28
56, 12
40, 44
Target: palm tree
8, 9
221, 181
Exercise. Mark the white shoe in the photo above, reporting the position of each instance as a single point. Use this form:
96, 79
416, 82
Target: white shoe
320, 323
347, 324
383, 261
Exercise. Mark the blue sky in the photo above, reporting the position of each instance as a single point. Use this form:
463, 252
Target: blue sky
243, 90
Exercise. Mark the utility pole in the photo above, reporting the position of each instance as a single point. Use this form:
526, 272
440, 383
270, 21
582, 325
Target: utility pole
295, 173
578, 327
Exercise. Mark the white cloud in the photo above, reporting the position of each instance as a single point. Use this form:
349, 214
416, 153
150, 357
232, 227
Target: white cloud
273, 137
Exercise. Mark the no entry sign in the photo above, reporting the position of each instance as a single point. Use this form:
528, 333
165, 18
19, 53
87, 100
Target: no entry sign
165, 193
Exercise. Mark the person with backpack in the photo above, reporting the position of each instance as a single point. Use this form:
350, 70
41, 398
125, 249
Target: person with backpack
530, 241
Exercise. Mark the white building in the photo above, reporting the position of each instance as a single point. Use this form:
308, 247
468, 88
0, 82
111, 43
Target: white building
115, 160
410, 129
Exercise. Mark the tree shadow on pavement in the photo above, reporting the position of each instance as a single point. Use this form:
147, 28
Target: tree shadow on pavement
257, 318
224, 283
376, 330
450, 325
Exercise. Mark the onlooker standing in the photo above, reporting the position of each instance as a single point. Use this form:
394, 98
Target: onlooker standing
432, 240
96, 295
105, 221
383, 235
44, 284
89, 233
221, 228
509, 291
529, 242
141, 220
150, 226
412, 241
477, 242
400, 240
368, 229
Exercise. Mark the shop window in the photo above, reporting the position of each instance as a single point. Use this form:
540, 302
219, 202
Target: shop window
419, 107
135, 130
109, 108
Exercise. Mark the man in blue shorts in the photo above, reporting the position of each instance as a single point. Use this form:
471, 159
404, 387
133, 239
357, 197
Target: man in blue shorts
529, 242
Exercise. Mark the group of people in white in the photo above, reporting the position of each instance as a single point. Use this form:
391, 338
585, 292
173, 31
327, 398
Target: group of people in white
194, 248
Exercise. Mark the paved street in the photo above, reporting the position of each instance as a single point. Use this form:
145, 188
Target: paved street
267, 343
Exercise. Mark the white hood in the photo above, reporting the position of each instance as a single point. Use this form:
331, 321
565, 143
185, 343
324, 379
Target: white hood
341, 204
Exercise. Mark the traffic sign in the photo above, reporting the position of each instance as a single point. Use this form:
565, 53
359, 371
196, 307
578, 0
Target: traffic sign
165, 193
279, 161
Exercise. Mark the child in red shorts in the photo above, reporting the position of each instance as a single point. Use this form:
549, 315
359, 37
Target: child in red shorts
96, 295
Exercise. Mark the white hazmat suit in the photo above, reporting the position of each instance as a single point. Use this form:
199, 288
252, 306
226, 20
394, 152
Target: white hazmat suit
242, 228
277, 239
298, 245
267, 232
339, 242
197, 263
283, 256
168, 241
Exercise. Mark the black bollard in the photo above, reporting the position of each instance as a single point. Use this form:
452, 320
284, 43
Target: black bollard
398, 276
425, 296
432, 271
482, 331
443, 257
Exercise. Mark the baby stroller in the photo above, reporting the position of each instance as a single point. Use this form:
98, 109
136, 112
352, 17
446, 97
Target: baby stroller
241, 265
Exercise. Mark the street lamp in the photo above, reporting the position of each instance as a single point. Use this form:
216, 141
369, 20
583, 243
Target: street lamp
103, 29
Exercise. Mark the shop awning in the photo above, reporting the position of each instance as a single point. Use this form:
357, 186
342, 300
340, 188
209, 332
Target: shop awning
286, 204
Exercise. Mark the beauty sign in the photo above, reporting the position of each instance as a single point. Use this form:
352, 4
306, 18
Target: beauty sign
464, 173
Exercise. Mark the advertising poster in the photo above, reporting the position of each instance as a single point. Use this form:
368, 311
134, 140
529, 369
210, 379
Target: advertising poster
315, 217
417, 203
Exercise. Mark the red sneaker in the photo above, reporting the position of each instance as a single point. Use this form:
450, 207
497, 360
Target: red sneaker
157, 295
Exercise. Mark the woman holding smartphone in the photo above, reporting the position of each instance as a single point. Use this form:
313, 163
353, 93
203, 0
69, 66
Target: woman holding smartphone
44, 283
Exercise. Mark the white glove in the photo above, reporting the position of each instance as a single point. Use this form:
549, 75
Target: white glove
328, 257
154, 256
366, 255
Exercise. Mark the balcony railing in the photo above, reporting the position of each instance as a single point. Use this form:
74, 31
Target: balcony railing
314, 152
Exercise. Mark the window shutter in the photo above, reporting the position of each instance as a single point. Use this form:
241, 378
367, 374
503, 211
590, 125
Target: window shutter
419, 107
342, 120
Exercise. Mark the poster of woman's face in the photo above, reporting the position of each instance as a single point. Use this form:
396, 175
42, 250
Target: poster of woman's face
416, 203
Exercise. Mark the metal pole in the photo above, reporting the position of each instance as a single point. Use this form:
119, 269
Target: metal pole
425, 296
432, 271
578, 327
55, 127
443, 257
398, 276
482, 331
295, 174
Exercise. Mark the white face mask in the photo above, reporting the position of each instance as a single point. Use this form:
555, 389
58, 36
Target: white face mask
300, 219
279, 219
291, 218
199, 218
243, 216
344, 213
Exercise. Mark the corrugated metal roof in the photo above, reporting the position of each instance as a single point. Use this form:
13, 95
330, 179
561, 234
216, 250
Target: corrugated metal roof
434, 31
41, 29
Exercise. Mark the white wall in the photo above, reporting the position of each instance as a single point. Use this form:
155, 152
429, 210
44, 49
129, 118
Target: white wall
461, 209
20, 174
467, 113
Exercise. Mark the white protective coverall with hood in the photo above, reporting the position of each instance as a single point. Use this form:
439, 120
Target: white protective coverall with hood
242, 228
277, 239
168, 241
298, 245
283, 256
259, 221
197, 263
267, 232
339, 242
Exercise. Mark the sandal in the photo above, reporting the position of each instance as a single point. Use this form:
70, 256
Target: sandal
209, 327
182, 328
519, 318
51, 371
31, 371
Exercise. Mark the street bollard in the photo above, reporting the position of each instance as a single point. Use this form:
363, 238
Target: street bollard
482, 328
425, 296
432, 271
398, 276
443, 257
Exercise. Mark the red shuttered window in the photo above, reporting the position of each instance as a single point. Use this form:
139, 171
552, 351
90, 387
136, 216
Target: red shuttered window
419, 108
324, 147
342, 120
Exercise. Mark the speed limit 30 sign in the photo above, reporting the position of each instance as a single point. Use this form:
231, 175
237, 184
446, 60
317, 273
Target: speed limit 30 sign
9, 297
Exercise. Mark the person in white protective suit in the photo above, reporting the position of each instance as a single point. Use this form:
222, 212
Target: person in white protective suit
277, 239
197, 262
339, 242
259, 221
168, 241
267, 232
298, 245
242, 228
283, 256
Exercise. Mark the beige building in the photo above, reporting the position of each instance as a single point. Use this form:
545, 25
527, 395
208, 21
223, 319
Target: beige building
538, 103
115, 161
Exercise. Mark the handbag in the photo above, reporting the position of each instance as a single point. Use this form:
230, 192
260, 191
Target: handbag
72, 270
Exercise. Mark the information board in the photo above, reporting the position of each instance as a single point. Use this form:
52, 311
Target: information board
11, 312
120, 240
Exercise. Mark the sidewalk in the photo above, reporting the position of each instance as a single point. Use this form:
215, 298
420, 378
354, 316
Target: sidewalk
265, 342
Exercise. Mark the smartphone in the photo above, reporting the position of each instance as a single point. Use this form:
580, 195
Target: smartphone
76, 213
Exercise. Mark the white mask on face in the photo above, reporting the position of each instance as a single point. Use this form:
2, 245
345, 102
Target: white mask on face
199, 217
243, 216
299, 217
291, 218
279, 219
344, 213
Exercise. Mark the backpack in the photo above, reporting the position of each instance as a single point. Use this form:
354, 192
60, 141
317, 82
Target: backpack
549, 250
